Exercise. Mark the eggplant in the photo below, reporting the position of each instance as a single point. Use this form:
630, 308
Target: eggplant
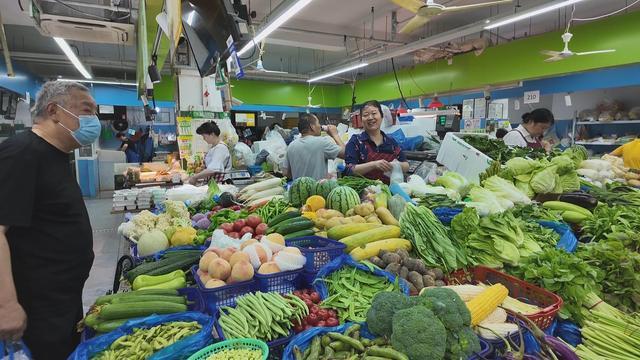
227, 200
580, 199
560, 348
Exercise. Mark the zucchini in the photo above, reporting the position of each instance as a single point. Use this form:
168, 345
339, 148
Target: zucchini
177, 283
139, 309
574, 217
564, 206
301, 233
110, 325
342, 231
163, 266
365, 237
180, 264
282, 217
285, 223
143, 298
580, 199
296, 226
104, 299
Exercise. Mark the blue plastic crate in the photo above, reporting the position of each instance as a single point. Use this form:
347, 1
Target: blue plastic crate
273, 345
306, 279
282, 282
319, 251
224, 295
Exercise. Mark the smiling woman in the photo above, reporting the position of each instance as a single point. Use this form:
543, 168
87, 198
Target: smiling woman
372, 152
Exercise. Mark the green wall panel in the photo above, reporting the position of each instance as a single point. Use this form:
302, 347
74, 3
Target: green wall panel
289, 94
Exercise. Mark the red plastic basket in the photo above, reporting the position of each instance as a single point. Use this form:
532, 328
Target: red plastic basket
518, 289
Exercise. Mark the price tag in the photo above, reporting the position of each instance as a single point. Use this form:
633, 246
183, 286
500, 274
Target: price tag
532, 97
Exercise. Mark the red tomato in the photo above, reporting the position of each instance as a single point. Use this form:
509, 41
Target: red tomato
298, 329
236, 207
308, 303
297, 293
331, 322
238, 225
305, 296
261, 229
323, 314
307, 327
226, 227
321, 323
312, 319
234, 235
315, 297
253, 221
245, 230
314, 309
332, 313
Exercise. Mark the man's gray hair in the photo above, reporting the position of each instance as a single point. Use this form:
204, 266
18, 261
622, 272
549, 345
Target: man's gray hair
54, 91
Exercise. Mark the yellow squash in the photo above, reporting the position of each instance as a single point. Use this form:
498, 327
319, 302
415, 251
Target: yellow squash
373, 248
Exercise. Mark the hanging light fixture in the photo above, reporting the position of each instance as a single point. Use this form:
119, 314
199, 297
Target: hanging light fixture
435, 103
154, 74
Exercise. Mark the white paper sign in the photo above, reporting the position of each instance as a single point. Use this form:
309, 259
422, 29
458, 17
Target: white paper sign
532, 97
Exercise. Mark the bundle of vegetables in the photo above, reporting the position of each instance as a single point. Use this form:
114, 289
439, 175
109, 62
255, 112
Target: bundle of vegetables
614, 222
262, 192
111, 311
554, 176
467, 292
359, 183
608, 333
237, 354
350, 345
497, 150
170, 262
615, 193
433, 201
417, 274
454, 181
449, 184
486, 202
272, 209
264, 316
142, 343
621, 269
601, 171
431, 239
434, 325
350, 291
535, 212
564, 274
291, 225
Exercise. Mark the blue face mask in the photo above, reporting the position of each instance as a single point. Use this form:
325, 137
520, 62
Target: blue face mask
89, 129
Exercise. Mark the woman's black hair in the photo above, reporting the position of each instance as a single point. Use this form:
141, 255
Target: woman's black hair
208, 128
372, 103
501, 132
541, 115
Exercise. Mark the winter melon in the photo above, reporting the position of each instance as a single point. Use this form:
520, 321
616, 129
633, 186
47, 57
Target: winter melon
343, 199
324, 187
301, 189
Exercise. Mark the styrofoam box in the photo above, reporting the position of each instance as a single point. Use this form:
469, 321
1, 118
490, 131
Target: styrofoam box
124, 203
457, 155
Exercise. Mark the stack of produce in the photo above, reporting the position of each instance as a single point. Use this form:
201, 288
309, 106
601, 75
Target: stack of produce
318, 316
417, 274
350, 291
238, 228
498, 150
619, 222
350, 345
264, 316
272, 209
262, 192
431, 239
434, 325
291, 225
143, 343
170, 262
237, 354
609, 168
111, 311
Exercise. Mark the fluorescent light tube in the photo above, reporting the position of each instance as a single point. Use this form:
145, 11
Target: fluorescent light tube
105, 82
273, 25
72, 57
529, 14
340, 71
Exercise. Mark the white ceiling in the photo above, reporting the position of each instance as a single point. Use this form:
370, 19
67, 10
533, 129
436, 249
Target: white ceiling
312, 40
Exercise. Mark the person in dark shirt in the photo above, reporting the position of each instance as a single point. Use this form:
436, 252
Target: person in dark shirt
125, 142
46, 242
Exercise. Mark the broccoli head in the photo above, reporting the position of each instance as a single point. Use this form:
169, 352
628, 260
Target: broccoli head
462, 345
383, 306
448, 307
419, 334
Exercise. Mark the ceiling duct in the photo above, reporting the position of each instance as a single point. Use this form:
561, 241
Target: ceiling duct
448, 50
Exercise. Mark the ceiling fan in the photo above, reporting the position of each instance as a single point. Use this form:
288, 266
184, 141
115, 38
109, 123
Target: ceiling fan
565, 53
263, 115
425, 10
259, 67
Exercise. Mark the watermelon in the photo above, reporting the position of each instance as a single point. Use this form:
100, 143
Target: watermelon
343, 199
324, 187
301, 189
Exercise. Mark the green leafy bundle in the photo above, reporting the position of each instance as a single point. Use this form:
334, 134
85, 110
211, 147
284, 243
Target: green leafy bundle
534, 212
617, 222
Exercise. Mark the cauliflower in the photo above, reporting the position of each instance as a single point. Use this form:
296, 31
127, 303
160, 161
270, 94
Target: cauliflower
144, 222
177, 209
163, 221
181, 222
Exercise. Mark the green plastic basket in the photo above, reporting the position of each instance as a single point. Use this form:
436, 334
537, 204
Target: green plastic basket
250, 344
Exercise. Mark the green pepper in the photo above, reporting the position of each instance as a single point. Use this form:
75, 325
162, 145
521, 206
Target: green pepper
144, 281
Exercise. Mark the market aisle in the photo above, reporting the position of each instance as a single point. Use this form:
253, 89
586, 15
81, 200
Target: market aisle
106, 246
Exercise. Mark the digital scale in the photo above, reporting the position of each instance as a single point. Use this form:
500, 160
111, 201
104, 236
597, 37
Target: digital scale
240, 177
447, 123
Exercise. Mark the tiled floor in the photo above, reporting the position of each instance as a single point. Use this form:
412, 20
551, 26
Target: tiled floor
107, 246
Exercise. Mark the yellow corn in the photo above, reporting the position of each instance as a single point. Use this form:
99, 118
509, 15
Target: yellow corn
484, 304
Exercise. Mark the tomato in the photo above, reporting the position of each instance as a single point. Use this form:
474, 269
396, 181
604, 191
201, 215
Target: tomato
238, 224
321, 323
314, 309
253, 221
323, 314
307, 327
246, 230
331, 322
308, 303
261, 229
315, 297
234, 235
332, 313
298, 328
297, 293
236, 207
226, 227
312, 319
305, 296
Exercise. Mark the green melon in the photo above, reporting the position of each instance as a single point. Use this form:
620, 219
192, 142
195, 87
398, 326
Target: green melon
324, 187
301, 189
343, 199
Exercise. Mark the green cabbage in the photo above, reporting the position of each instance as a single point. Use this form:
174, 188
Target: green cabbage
524, 187
570, 182
544, 181
506, 189
564, 163
152, 242
486, 202
521, 166
454, 181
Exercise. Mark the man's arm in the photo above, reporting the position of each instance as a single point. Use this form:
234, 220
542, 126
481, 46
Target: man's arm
333, 132
14, 319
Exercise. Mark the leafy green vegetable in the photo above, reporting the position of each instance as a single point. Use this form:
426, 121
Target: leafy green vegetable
454, 181
564, 274
617, 222
497, 150
433, 201
506, 189
486, 202
544, 181
359, 183
534, 212
522, 166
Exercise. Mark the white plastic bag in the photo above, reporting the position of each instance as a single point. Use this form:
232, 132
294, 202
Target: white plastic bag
228, 133
243, 156
14, 350
193, 194
396, 176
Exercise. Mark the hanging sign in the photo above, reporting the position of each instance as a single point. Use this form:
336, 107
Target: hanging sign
532, 97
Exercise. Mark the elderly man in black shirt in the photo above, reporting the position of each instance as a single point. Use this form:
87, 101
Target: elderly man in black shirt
46, 243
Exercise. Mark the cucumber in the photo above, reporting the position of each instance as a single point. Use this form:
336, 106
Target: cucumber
104, 299
139, 309
574, 217
163, 266
110, 325
180, 264
285, 223
143, 298
296, 226
301, 233
148, 266
564, 206
283, 217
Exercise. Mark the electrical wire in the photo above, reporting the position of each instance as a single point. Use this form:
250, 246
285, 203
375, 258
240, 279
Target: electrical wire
393, 65
89, 14
20, 5
604, 16
414, 81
